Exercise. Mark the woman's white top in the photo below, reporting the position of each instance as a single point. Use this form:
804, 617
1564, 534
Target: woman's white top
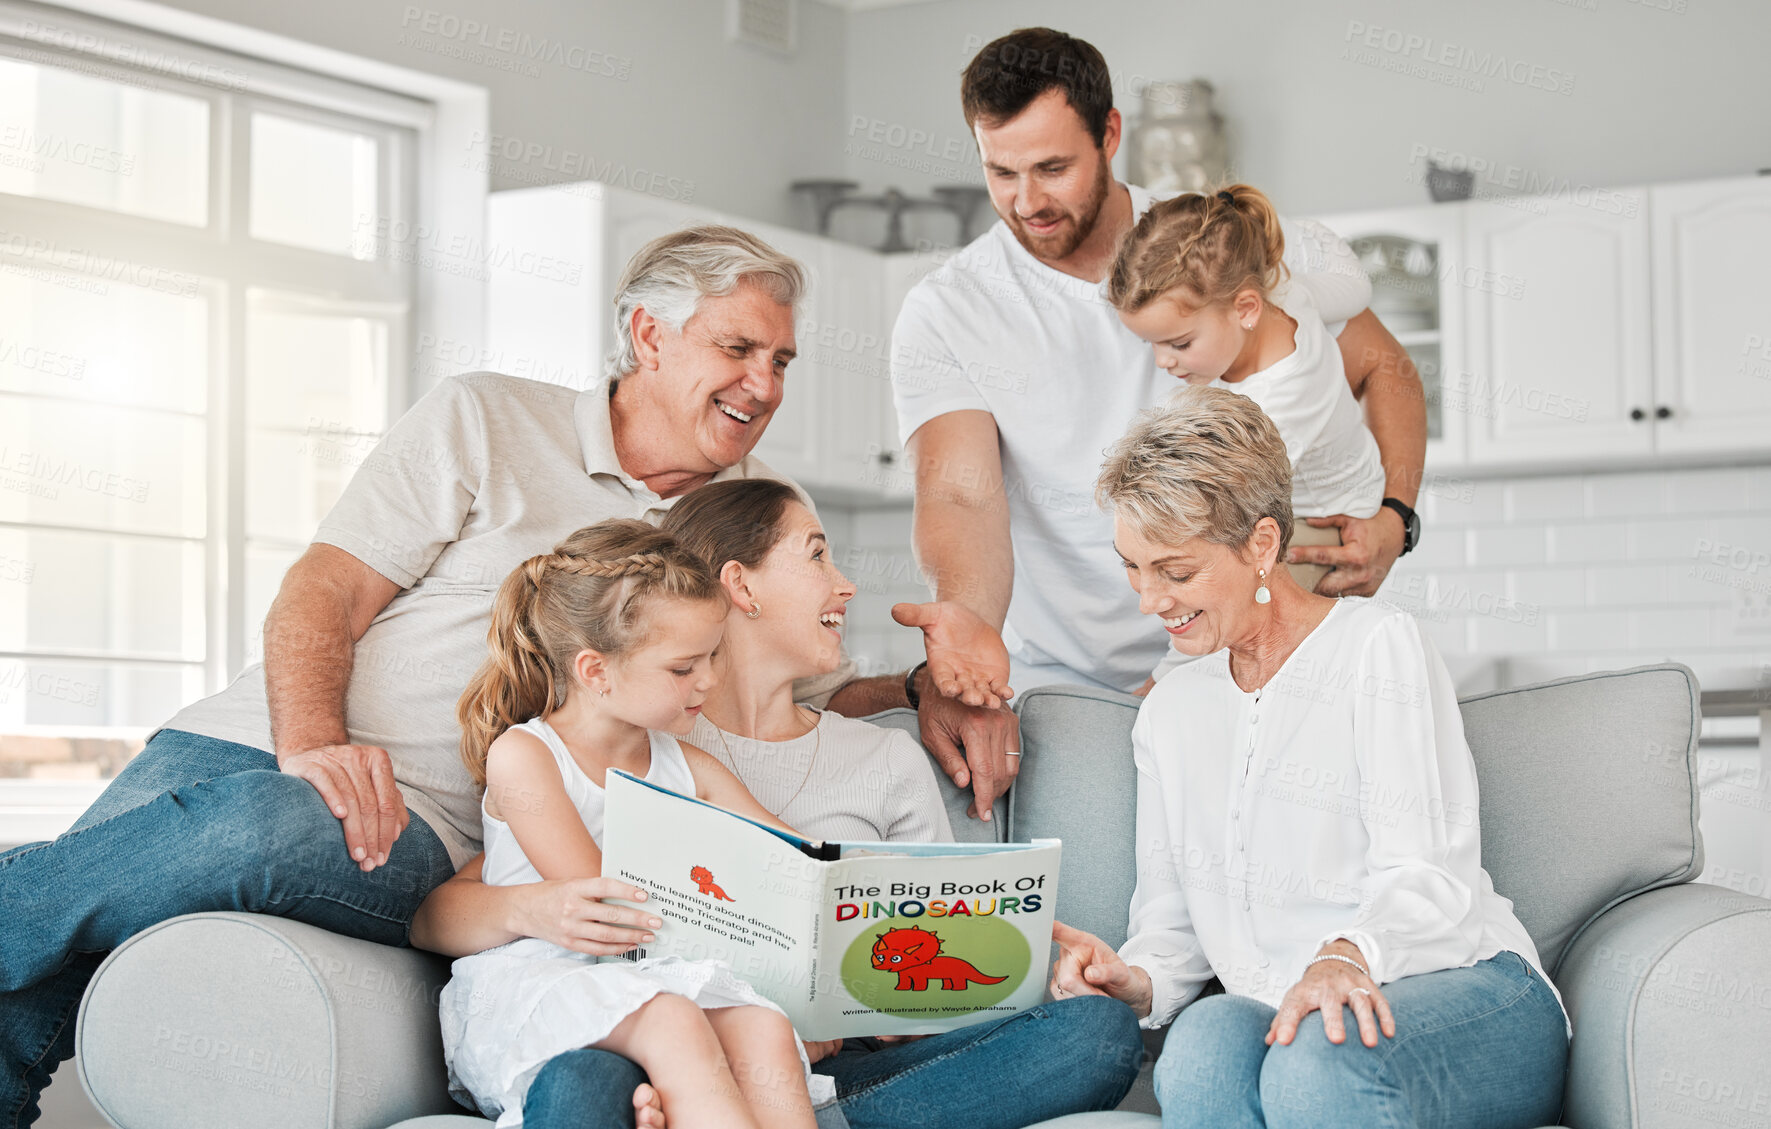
1335, 464
1337, 801
846, 780
506, 865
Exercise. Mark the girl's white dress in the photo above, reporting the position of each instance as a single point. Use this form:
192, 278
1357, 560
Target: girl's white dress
508, 1010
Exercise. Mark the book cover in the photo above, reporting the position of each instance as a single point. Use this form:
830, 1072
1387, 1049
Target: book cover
850, 939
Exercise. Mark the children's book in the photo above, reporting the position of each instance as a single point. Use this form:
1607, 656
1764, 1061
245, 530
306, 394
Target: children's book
850, 939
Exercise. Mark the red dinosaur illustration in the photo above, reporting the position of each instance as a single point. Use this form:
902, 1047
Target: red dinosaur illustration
914, 954
703, 877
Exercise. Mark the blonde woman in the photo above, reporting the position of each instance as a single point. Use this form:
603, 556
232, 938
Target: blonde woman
1307, 828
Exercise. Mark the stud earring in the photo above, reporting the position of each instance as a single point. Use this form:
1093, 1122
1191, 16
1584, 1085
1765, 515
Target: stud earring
755, 611
1261, 595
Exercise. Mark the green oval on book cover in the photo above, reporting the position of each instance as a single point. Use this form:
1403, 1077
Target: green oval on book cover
972, 950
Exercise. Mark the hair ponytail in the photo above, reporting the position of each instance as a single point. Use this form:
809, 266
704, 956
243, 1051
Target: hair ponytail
590, 593
1207, 246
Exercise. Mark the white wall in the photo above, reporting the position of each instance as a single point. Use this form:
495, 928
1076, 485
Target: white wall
702, 119
1657, 95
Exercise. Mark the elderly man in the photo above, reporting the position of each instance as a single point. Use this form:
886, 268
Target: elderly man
325, 785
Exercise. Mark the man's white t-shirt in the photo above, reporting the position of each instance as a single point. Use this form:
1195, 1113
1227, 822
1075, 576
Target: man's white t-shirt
1335, 464
994, 329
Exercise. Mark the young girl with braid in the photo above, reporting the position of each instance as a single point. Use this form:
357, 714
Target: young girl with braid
599, 653
1195, 278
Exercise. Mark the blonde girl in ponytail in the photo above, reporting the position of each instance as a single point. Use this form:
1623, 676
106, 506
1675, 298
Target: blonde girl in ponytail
1200, 278
598, 655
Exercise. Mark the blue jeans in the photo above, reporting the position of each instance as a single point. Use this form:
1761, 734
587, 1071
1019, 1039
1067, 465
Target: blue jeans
191, 824
1483, 1047
1068, 1056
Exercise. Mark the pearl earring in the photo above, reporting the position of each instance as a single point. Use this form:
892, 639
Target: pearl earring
1261, 595
755, 611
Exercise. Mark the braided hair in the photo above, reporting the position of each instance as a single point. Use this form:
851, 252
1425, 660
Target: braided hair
592, 592
1207, 246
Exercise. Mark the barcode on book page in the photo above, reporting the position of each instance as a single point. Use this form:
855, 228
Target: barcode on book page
634, 954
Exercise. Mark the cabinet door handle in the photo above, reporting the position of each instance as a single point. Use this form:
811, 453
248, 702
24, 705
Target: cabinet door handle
1663, 412
1638, 414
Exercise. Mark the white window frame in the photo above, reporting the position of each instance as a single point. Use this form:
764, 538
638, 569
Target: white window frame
448, 193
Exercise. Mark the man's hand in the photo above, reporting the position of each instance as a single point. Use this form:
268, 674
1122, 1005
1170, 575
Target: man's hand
972, 744
1368, 548
357, 783
967, 660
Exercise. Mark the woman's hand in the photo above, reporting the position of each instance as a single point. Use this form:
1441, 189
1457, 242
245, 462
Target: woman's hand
1088, 966
816, 1051
1327, 986
571, 913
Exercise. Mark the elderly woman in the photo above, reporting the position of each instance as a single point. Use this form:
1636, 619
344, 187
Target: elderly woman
1307, 828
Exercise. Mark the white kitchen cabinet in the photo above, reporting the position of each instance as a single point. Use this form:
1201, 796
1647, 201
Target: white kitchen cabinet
1560, 342
1712, 315
1411, 255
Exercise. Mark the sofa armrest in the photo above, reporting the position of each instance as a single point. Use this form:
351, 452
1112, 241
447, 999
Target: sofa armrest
1670, 994
235, 1019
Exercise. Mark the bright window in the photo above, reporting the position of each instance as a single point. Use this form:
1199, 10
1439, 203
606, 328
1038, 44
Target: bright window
204, 332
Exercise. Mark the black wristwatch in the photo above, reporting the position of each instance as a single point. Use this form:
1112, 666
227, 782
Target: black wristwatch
910, 686
1410, 523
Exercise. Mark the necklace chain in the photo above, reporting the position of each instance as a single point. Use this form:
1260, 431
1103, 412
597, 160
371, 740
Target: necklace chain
817, 743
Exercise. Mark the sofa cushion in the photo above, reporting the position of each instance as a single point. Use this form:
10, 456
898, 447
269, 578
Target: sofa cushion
1589, 793
222, 1020
1078, 784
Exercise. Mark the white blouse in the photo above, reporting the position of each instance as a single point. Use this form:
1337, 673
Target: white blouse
1337, 801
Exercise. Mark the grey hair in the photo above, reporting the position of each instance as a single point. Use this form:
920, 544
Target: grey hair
1208, 463
671, 274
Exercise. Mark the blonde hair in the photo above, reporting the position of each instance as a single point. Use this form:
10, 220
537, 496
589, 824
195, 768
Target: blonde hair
670, 275
590, 593
1208, 464
1206, 246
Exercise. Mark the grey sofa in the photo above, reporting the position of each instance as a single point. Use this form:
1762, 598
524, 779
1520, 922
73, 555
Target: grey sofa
1589, 817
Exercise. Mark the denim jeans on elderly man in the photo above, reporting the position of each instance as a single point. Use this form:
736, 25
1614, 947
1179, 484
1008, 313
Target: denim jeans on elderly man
1484, 1047
191, 824
1067, 1056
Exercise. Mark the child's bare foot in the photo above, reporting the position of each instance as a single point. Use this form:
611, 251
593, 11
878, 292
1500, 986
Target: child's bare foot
648, 1107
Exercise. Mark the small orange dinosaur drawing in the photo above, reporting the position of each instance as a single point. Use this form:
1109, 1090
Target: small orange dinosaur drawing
915, 955
703, 877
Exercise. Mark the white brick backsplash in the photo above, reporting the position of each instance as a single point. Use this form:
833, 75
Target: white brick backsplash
1589, 630
1505, 545
1606, 567
1671, 627
1549, 587
1598, 542
1627, 584
1627, 495
1691, 582
1498, 637
1751, 532
889, 528
1537, 500
1758, 487
1674, 539
1440, 547
1720, 491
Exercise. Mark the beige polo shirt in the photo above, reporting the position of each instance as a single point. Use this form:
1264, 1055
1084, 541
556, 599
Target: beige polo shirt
481, 474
